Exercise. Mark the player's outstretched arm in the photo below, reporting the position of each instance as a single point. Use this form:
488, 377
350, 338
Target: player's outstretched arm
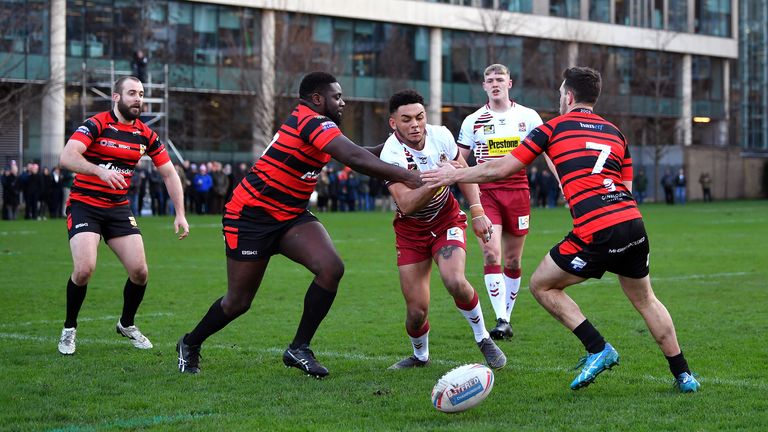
176, 192
376, 150
481, 225
496, 169
361, 160
72, 159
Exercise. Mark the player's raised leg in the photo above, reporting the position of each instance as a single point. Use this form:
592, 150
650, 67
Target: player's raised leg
547, 285
243, 280
414, 282
660, 324
84, 247
130, 251
451, 261
310, 245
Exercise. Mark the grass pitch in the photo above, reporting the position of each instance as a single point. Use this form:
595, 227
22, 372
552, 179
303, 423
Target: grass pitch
708, 264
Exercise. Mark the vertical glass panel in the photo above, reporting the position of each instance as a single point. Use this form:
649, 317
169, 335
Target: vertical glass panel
565, 8
713, 17
600, 10
678, 15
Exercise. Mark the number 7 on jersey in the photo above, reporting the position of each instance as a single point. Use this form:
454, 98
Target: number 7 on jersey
605, 150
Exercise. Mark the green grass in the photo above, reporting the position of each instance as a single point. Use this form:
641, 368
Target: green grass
708, 265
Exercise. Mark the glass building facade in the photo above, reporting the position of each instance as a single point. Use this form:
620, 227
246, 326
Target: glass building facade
215, 60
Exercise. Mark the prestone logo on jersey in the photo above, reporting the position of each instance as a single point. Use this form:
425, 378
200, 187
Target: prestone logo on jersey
502, 146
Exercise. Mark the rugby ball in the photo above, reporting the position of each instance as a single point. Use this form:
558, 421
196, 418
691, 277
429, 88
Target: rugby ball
462, 388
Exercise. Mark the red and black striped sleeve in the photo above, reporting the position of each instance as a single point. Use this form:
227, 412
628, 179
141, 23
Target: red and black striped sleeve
318, 130
534, 144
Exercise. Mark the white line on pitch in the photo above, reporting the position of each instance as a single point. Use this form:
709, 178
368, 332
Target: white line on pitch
362, 357
60, 321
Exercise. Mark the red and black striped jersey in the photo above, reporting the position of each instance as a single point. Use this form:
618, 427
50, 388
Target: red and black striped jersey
114, 146
284, 177
592, 161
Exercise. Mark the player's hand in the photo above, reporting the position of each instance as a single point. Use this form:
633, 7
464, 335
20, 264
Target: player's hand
483, 228
414, 180
114, 179
181, 223
443, 176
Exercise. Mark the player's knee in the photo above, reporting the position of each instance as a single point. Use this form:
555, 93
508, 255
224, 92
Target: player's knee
513, 263
139, 275
82, 273
456, 285
491, 258
417, 316
330, 274
235, 306
536, 286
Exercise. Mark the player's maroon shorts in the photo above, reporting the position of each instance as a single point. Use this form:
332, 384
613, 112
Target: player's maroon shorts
420, 241
509, 208
621, 249
255, 235
109, 222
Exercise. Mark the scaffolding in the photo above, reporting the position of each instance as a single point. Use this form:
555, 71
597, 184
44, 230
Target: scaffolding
96, 86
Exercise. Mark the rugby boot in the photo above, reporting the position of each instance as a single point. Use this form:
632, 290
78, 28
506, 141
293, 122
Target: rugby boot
410, 362
593, 365
303, 358
189, 357
502, 330
687, 383
134, 334
494, 357
67, 341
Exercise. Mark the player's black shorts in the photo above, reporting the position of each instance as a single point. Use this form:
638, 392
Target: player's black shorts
257, 236
621, 249
109, 222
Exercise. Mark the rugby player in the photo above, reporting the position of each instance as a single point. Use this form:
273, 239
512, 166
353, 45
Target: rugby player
103, 152
267, 215
594, 166
429, 225
492, 132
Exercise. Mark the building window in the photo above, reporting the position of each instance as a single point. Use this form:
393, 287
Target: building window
678, 15
565, 8
640, 13
600, 10
713, 17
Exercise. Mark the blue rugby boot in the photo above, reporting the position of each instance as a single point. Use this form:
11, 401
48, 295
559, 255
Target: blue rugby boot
593, 365
686, 383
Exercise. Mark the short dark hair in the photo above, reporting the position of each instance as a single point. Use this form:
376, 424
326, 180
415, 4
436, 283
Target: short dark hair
315, 82
118, 87
404, 97
584, 82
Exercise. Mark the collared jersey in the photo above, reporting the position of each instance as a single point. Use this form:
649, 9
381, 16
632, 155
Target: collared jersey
592, 160
114, 146
284, 177
491, 135
439, 147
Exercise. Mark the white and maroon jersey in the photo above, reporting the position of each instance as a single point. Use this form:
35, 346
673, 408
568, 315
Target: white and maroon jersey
491, 135
439, 146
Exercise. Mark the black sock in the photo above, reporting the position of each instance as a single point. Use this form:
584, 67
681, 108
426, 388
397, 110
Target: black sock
317, 303
212, 322
677, 364
589, 336
75, 298
133, 294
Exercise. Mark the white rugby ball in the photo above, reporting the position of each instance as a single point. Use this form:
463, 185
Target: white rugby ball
462, 388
